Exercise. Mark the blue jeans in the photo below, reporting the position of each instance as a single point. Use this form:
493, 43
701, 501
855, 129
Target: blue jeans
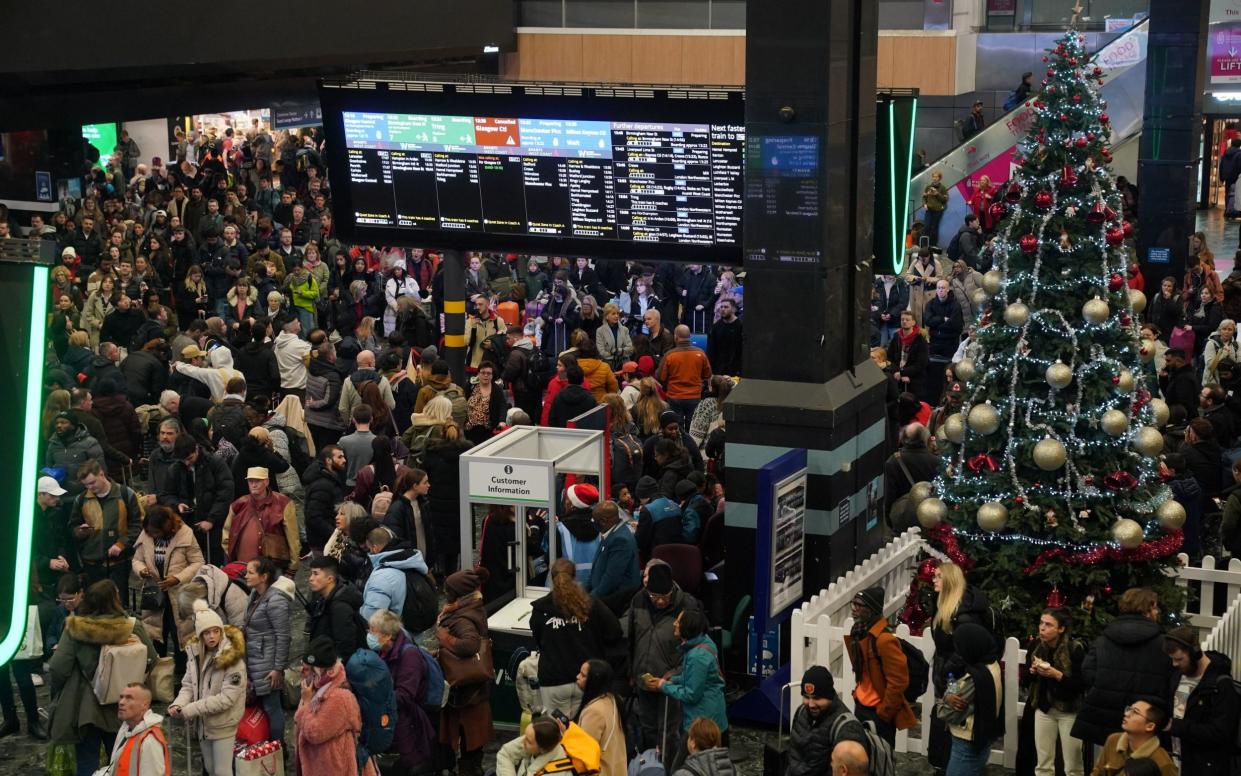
967, 758
220, 307
86, 749
275, 712
685, 408
308, 321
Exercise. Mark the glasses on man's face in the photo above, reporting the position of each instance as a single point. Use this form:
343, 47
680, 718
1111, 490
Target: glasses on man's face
1135, 711
66, 599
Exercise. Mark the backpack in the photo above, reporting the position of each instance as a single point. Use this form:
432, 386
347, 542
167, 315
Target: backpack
648, 763
1012, 101
372, 397
229, 421
626, 459
460, 409
882, 763
381, 503
299, 450
421, 601
372, 684
584, 753
417, 445
954, 247
434, 686
119, 666
919, 669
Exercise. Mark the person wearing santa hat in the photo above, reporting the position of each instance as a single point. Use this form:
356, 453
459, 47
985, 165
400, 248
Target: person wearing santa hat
577, 534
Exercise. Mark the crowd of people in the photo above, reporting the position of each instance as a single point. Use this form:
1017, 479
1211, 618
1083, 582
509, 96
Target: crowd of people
235, 396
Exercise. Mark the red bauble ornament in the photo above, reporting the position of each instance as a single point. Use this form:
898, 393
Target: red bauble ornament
1115, 282
1045, 59
1127, 229
1077, 98
1051, 73
1064, 117
1090, 136
1072, 60
1043, 200
1115, 379
1081, 142
997, 211
926, 570
1107, 590
1125, 319
1089, 479
1055, 598
1019, 500
1068, 177
1115, 236
1104, 118
1029, 243
1013, 194
1044, 82
1051, 89
1098, 71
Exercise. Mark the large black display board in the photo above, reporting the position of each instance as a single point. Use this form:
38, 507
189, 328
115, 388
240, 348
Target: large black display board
597, 170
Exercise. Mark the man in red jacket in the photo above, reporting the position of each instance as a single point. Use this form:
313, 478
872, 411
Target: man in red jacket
684, 371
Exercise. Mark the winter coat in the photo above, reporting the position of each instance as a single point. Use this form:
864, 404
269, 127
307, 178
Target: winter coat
653, 646
442, 464
257, 361
385, 587
963, 288
399, 519
1125, 661
1187, 492
570, 401
213, 690
415, 737
810, 738
921, 279
1203, 459
324, 490
1209, 727
146, 376
182, 559
699, 685
1215, 351
153, 758
1204, 325
101, 368
350, 395
565, 642
71, 453
659, 523
601, 720
1181, 387
615, 569
943, 319
599, 374
251, 453
1164, 313
917, 359
709, 762
268, 634
337, 618
461, 628
73, 665
223, 596
211, 485
512, 759
327, 732
884, 665
973, 608
321, 410
120, 424
614, 348
115, 520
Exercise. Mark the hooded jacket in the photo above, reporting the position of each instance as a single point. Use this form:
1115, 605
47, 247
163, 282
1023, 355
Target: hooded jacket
324, 490
257, 361
213, 690
699, 685
570, 401
74, 663
225, 598
565, 642
71, 451
1209, 728
350, 396
711, 762
512, 759
145, 377
415, 737
155, 756
1125, 661
321, 409
810, 738
385, 587
336, 617
327, 731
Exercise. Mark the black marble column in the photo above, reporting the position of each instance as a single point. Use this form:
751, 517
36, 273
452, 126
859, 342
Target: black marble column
1171, 133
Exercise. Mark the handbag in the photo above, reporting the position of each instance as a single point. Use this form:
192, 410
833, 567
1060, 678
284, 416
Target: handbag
476, 669
160, 680
1182, 337
32, 641
265, 759
152, 597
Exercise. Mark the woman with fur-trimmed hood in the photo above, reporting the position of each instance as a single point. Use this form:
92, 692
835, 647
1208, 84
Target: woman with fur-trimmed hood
213, 692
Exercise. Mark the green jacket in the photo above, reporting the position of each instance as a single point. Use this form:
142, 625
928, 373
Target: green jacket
115, 518
72, 670
935, 197
305, 290
699, 685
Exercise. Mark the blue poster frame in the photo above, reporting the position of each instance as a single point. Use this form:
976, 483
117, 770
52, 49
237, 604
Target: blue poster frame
777, 471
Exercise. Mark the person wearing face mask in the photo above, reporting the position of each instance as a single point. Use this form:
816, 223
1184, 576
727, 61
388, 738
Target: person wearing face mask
328, 718
415, 733
213, 691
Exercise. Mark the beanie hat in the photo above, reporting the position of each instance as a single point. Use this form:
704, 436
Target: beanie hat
646, 366
205, 618
647, 487
817, 682
871, 598
668, 416
659, 579
462, 583
685, 489
582, 495
321, 653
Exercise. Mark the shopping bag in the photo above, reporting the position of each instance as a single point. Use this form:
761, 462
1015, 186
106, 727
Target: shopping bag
265, 759
32, 641
254, 727
60, 761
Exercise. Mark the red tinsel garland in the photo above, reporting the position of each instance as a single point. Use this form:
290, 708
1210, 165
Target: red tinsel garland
1158, 548
946, 536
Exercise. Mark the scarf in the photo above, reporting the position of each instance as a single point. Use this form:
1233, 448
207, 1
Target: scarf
859, 633
324, 685
1060, 659
907, 340
988, 726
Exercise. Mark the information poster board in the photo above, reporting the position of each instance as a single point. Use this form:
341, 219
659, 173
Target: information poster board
1224, 42
781, 552
102, 137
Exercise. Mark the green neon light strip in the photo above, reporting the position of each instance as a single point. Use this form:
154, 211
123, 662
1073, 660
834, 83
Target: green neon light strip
900, 200
29, 463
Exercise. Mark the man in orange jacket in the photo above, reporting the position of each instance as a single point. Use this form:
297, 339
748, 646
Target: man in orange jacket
141, 747
880, 667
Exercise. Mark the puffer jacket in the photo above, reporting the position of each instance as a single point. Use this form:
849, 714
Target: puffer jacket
711, 762
699, 685
267, 633
213, 690
324, 490
71, 453
811, 742
74, 663
653, 645
224, 598
1125, 661
385, 587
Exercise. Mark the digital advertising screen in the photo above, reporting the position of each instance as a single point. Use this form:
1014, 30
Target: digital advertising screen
102, 137
591, 172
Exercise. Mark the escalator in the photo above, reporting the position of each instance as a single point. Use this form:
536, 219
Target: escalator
990, 152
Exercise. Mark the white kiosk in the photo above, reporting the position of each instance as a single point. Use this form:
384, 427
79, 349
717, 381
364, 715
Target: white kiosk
520, 467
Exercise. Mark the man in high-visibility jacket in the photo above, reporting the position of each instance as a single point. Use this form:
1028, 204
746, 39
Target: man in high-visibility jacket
141, 747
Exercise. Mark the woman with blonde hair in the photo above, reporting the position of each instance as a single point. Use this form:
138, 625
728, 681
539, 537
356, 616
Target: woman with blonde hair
570, 628
612, 338
78, 355
956, 603
365, 334
648, 408
98, 305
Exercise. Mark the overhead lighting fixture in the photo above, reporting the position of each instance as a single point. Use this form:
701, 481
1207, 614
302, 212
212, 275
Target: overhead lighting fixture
491, 49
1227, 96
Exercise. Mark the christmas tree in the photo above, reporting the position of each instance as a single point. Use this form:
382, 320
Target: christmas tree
1050, 492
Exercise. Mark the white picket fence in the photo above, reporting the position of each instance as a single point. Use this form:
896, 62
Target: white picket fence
820, 625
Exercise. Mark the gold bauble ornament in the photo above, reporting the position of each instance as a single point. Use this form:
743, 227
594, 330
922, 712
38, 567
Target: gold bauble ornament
992, 282
1148, 441
984, 419
1137, 300
1059, 375
1161, 411
921, 491
1171, 515
932, 512
1049, 454
992, 516
1146, 351
964, 369
954, 428
1096, 310
1016, 314
1115, 422
980, 298
1127, 533
1124, 381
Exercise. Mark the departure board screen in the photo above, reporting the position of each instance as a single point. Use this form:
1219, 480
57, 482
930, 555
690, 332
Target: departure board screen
533, 174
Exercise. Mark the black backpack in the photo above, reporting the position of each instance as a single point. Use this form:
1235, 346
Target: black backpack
421, 601
918, 667
299, 450
538, 370
954, 247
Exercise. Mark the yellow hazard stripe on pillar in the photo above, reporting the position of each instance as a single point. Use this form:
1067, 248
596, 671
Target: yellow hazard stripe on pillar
451, 307
454, 340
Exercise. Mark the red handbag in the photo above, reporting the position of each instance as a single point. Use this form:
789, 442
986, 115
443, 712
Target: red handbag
254, 727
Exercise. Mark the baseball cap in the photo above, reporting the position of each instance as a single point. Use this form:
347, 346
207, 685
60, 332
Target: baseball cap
192, 351
50, 486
